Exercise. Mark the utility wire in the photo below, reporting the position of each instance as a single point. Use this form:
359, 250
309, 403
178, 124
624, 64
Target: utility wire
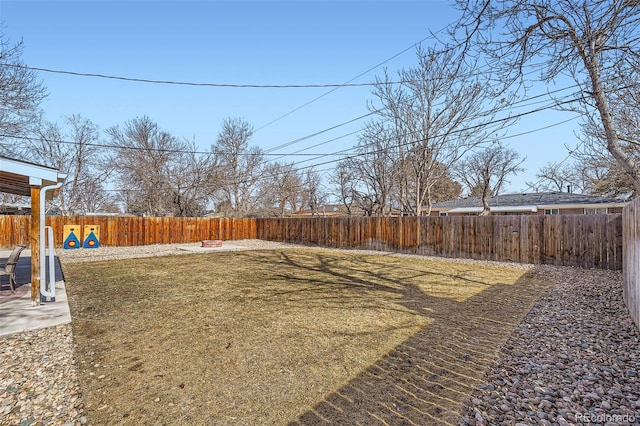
139, 148
496, 121
319, 144
186, 83
514, 105
280, 155
264, 86
295, 169
414, 45
295, 141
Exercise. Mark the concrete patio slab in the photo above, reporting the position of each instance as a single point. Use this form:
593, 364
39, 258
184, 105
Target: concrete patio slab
17, 312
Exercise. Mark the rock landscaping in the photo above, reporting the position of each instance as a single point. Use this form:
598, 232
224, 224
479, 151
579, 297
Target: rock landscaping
573, 360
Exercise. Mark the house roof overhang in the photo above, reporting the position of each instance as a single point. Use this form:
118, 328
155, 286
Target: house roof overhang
542, 201
17, 177
531, 208
497, 209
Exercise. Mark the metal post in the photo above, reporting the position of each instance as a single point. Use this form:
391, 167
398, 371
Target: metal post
43, 277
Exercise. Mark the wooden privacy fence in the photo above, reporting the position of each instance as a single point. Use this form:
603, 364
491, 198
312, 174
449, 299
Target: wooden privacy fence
592, 241
631, 262
134, 231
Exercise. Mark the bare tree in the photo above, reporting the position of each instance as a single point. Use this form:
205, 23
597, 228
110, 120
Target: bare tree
190, 179
344, 185
594, 169
20, 92
602, 174
281, 186
555, 177
314, 194
154, 169
485, 172
608, 180
95, 198
239, 165
594, 42
75, 150
442, 110
374, 169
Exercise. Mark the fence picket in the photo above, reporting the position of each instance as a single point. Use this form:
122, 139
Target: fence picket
631, 262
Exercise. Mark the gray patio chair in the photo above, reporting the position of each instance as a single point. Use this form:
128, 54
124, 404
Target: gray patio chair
10, 268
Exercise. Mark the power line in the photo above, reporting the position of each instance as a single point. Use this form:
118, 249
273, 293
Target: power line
350, 80
295, 141
319, 144
269, 152
139, 148
324, 155
524, 103
497, 121
187, 83
299, 169
422, 140
541, 128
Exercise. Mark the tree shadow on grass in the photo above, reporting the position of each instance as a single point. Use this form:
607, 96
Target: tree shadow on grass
426, 379
465, 318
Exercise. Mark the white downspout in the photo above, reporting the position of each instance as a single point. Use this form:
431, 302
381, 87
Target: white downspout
51, 292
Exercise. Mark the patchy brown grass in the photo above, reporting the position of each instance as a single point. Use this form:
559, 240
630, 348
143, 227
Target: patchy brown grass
263, 337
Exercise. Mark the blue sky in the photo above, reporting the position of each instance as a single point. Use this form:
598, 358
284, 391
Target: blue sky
241, 42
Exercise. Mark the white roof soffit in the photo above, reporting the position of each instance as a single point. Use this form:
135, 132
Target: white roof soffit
16, 177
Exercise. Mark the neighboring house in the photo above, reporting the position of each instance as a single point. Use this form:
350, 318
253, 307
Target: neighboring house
339, 210
535, 203
15, 208
326, 210
319, 212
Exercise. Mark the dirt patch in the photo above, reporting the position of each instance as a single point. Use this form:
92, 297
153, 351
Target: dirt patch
298, 335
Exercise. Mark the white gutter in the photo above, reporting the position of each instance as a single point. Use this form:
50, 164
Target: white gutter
582, 206
51, 291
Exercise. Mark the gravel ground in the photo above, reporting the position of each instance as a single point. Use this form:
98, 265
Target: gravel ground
573, 360
112, 253
38, 384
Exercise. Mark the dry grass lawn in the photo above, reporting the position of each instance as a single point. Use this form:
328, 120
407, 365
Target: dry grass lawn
256, 337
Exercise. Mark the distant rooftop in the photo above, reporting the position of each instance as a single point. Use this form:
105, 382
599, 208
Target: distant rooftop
532, 199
